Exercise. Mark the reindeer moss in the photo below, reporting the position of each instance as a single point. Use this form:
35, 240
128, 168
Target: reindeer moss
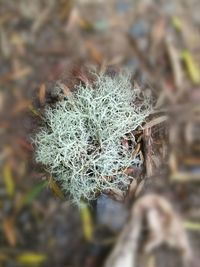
81, 142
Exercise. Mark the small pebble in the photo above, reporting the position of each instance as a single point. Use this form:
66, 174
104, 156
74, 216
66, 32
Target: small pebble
111, 213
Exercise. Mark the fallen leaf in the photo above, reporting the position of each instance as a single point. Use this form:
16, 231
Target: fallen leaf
94, 53
191, 67
183, 177
55, 188
34, 111
8, 179
31, 258
176, 23
86, 222
42, 93
192, 226
9, 231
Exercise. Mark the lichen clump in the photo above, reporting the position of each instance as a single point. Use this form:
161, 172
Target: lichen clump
81, 143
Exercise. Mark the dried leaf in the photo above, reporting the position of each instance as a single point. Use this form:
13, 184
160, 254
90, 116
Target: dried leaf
94, 53
86, 222
183, 177
9, 231
177, 24
8, 179
42, 93
192, 226
55, 188
173, 162
34, 111
191, 67
31, 258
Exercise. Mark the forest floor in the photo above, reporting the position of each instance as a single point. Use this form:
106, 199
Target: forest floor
40, 41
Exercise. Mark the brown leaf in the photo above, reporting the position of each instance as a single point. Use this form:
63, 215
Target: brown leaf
42, 93
56, 189
94, 53
9, 231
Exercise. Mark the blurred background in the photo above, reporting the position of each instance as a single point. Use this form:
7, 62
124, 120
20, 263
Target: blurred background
42, 40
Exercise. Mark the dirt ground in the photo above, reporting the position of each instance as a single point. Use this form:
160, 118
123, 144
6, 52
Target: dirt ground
42, 41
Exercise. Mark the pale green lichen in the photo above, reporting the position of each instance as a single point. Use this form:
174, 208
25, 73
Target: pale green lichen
81, 142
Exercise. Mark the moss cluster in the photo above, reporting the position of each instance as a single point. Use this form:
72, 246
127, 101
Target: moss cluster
81, 143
